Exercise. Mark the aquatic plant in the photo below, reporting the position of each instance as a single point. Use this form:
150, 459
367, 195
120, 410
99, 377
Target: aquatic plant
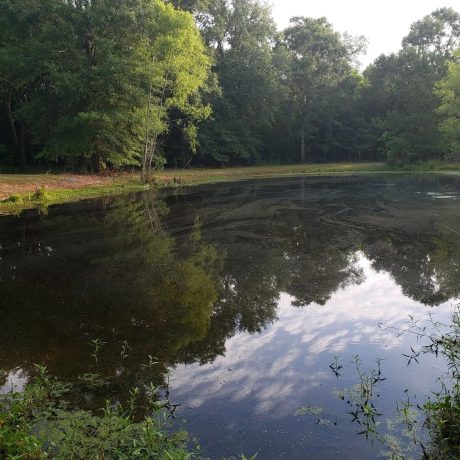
430, 430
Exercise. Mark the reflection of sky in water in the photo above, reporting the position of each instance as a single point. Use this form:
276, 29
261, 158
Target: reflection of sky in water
15, 381
441, 196
277, 239
267, 376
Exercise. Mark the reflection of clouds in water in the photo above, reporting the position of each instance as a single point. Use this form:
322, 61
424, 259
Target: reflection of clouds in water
288, 358
15, 381
282, 363
442, 196
329, 342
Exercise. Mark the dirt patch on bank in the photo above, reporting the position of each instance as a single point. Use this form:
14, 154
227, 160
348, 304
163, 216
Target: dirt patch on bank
15, 184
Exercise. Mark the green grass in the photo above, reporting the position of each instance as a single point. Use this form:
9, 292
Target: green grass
44, 197
210, 175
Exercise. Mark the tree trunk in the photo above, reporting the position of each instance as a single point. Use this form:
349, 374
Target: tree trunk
18, 143
22, 148
144, 176
151, 155
302, 147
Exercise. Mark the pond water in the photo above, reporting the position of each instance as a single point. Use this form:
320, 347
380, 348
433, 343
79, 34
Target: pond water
243, 294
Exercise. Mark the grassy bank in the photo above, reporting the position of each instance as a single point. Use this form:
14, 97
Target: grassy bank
23, 191
43, 196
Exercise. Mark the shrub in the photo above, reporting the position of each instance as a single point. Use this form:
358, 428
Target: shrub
39, 423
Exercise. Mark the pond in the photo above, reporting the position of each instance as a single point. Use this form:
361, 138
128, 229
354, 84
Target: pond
252, 299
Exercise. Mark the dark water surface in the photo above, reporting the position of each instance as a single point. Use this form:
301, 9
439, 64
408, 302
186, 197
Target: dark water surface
244, 293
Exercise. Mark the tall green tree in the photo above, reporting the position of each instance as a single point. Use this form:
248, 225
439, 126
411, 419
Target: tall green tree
27, 29
90, 82
177, 70
437, 34
401, 98
240, 34
318, 61
449, 90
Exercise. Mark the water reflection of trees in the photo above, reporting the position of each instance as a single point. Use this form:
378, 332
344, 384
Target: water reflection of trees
112, 273
313, 231
426, 268
177, 277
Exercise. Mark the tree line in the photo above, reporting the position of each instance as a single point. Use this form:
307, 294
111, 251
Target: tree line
95, 84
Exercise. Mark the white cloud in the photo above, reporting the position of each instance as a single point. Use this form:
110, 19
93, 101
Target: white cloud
293, 354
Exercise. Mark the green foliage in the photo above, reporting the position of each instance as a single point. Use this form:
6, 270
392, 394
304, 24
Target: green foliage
437, 34
430, 430
39, 423
91, 83
401, 99
449, 90
39, 194
44, 197
147, 83
239, 34
319, 80
442, 409
361, 398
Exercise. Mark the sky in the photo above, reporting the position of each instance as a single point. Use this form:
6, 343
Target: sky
383, 23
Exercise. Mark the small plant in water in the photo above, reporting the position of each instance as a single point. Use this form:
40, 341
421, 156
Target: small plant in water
96, 344
151, 362
430, 430
362, 396
336, 367
362, 400
124, 350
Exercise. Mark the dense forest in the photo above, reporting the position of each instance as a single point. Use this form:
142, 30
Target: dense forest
95, 84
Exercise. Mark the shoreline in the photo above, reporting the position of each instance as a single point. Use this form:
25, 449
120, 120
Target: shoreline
19, 192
